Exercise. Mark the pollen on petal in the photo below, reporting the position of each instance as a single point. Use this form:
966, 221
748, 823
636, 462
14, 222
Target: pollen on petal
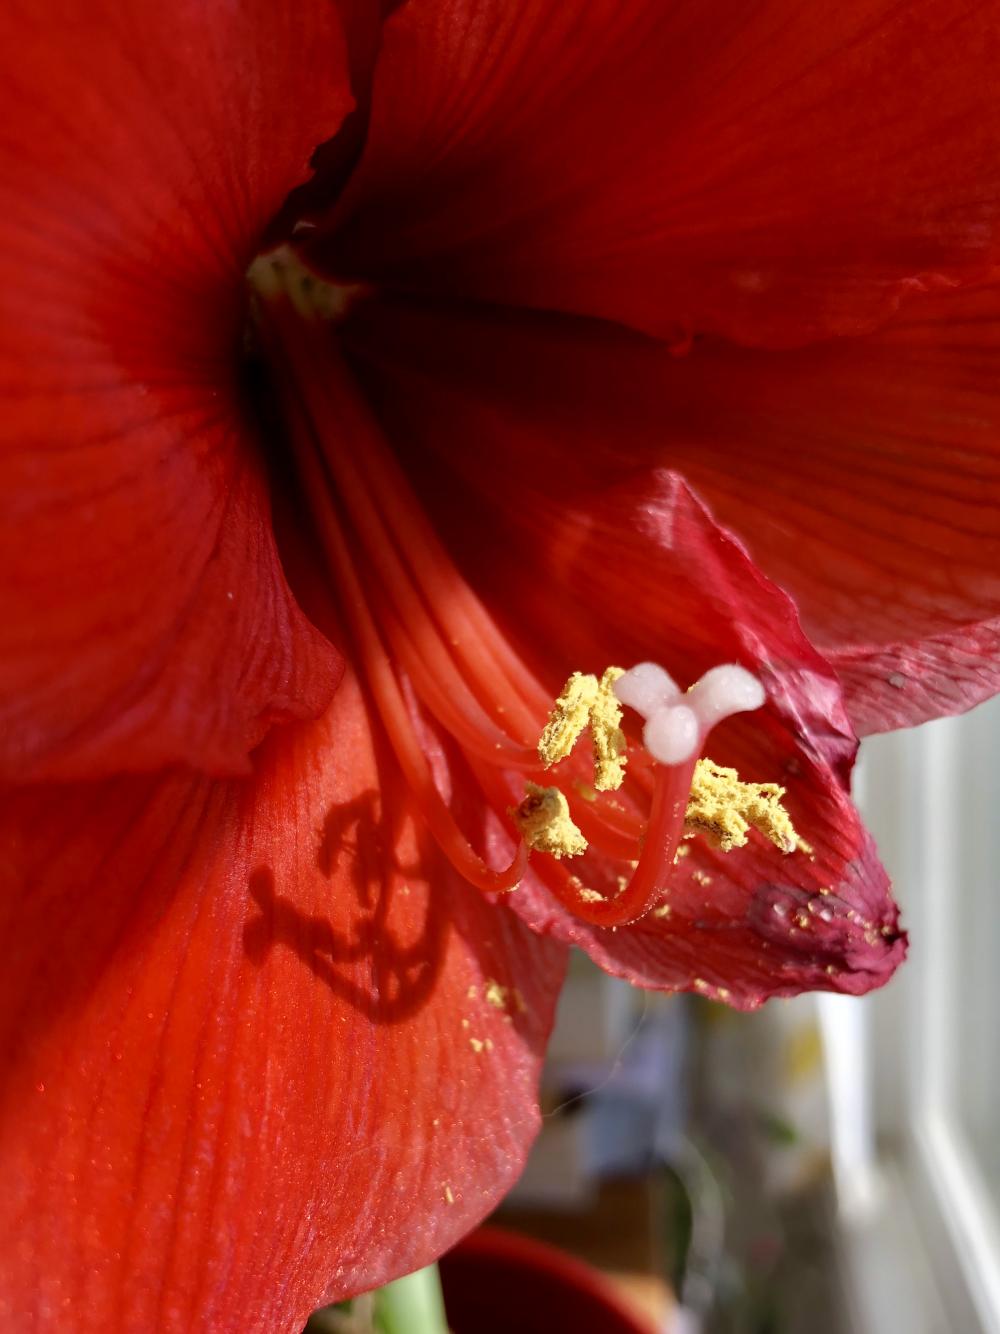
584, 892
724, 809
545, 823
495, 994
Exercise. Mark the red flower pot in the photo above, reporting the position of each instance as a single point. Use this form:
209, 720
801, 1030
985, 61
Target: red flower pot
496, 1281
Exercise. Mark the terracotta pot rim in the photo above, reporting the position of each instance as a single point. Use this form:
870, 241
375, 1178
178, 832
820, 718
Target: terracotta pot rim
544, 1258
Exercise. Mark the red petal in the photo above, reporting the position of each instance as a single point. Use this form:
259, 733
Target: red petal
743, 168
864, 474
241, 1028
904, 684
145, 615
664, 582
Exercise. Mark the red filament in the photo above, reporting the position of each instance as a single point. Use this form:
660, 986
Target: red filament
413, 619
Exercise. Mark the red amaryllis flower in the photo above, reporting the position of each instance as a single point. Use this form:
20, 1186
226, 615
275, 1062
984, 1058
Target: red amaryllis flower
288, 594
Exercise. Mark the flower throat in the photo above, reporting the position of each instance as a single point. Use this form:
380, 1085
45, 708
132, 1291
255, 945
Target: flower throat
431, 655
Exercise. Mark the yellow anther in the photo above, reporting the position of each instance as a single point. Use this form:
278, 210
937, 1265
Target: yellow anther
544, 821
724, 809
570, 715
609, 739
584, 701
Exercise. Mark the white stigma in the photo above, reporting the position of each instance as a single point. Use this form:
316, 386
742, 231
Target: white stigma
672, 734
676, 725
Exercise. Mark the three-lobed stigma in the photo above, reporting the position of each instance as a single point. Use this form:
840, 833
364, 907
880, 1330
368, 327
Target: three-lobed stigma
677, 724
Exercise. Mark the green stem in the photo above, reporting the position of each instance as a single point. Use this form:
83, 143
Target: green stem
411, 1305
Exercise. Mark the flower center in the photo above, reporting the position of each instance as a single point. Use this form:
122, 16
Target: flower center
442, 675
689, 795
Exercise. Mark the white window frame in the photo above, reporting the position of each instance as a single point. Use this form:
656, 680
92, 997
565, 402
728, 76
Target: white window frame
920, 1234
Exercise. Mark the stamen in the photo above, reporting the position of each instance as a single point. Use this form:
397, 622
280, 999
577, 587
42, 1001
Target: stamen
724, 809
609, 739
544, 821
417, 624
381, 677
689, 795
570, 715
584, 701
674, 735
651, 874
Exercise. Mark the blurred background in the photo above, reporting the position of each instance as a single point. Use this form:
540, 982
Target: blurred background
827, 1165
